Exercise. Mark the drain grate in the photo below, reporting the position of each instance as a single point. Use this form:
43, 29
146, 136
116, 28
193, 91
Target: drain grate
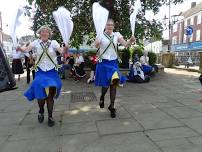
83, 97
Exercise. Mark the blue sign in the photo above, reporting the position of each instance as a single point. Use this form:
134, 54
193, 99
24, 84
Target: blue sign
194, 46
189, 31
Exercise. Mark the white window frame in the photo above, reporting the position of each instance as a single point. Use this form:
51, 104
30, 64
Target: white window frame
174, 40
198, 35
191, 38
192, 21
199, 19
175, 28
185, 23
185, 39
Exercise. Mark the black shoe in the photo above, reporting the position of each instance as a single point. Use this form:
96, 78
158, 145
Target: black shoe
113, 111
40, 118
51, 122
102, 104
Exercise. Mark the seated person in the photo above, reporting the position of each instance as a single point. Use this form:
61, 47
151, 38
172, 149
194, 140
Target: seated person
71, 60
63, 62
78, 67
144, 60
189, 62
136, 74
93, 59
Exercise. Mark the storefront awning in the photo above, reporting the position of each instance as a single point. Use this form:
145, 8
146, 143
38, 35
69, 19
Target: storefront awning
193, 46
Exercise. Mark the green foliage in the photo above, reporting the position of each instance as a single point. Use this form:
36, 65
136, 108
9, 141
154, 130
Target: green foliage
125, 56
152, 58
83, 22
136, 50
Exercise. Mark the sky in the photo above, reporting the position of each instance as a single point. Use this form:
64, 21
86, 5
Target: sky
7, 11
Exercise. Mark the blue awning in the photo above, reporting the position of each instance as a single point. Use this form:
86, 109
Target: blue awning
193, 46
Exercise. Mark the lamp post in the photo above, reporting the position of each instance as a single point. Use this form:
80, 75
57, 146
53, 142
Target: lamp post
171, 21
169, 26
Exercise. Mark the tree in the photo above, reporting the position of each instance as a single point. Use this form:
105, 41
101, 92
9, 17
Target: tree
83, 22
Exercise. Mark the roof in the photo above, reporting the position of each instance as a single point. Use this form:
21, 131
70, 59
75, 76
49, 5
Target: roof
192, 11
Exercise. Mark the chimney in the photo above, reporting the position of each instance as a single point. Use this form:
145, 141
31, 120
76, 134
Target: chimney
193, 4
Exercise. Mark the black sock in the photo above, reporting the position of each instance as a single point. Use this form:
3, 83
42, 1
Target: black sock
104, 91
41, 104
50, 104
112, 95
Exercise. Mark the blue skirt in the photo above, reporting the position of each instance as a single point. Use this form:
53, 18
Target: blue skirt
42, 81
104, 72
147, 69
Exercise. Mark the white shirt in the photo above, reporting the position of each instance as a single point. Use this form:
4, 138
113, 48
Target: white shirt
138, 71
189, 60
27, 54
79, 59
110, 54
144, 60
16, 54
45, 63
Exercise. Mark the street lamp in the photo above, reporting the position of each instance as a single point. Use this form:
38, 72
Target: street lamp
171, 21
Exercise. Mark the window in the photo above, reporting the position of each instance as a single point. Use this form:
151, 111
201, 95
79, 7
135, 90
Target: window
198, 35
191, 38
174, 40
180, 31
185, 39
192, 21
185, 23
199, 19
174, 28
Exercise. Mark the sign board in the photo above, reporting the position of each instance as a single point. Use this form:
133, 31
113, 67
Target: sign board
189, 31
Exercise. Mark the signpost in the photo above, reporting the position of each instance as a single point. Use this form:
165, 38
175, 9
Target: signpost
189, 31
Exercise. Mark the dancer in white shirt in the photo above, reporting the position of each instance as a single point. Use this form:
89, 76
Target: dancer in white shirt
107, 71
47, 84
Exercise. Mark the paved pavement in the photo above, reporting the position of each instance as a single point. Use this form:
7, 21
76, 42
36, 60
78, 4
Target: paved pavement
164, 115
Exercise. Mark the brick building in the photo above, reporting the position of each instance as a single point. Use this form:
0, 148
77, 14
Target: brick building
184, 46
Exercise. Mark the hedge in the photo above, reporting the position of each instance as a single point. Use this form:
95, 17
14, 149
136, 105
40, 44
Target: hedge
125, 56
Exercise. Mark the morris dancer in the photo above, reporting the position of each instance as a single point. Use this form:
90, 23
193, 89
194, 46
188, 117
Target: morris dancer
17, 67
107, 71
47, 85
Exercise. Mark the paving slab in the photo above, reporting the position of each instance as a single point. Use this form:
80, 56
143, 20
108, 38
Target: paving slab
78, 128
136, 142
171, 133
118, 126
194, 123
34, 145
92, 115
180, 142
182, 112
196, 140
29, 132
156, 119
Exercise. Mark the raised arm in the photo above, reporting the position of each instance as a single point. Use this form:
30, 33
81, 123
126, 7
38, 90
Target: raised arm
25, 48
97, 43
126, 43
62, 50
